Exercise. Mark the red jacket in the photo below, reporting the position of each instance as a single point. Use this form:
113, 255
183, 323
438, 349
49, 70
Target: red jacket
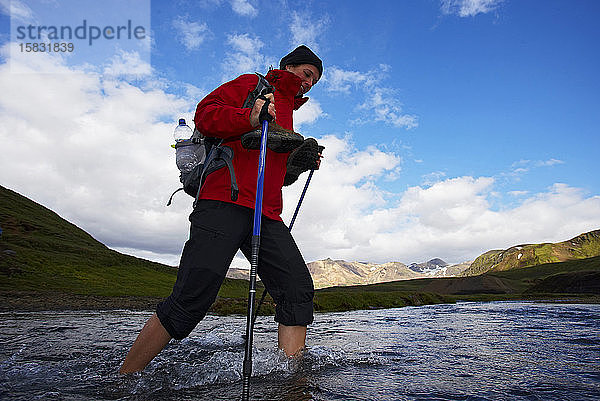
220, 114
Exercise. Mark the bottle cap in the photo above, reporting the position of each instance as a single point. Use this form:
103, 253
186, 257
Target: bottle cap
182, 121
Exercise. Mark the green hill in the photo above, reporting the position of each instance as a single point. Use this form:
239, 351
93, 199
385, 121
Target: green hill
43, 256
583, 246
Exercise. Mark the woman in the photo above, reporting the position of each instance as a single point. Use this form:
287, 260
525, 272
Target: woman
221, 225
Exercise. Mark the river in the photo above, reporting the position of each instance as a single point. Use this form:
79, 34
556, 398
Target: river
463, 351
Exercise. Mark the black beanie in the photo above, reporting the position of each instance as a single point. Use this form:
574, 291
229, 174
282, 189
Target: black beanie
302, 55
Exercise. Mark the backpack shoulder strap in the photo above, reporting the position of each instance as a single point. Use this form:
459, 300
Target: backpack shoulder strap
262, 88
218, 157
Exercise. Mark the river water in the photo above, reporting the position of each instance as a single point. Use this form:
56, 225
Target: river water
465, 351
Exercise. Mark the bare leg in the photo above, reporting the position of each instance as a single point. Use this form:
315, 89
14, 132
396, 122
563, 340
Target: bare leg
151, 340
291, 339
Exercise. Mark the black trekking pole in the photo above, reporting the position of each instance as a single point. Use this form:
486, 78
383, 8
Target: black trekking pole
312, 171
301, 198
255, 245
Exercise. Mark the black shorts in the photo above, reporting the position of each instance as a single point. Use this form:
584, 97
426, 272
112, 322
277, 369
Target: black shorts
218, 230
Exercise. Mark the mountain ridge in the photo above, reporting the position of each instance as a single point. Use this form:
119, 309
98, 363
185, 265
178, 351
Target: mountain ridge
582, 246
333, 273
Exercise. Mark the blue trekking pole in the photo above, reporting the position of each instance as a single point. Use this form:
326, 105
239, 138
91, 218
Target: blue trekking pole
247, 367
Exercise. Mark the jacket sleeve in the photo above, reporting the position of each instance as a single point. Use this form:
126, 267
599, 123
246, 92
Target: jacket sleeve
220, 113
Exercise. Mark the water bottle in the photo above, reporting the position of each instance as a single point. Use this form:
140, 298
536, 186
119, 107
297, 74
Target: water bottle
182, 131
185, 149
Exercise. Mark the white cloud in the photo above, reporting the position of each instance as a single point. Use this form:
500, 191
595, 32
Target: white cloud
193, 93
380, 103
522, 162
245, 44
342, 190
384, 106
549, 162
469, 8
342, 81
17, 10
307, 30
308, 114
245, 56
524, 166
127, 64
243, 8
526, 163
191, 33
432, 178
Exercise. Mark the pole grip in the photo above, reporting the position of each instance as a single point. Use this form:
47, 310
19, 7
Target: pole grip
255, 248
246, 389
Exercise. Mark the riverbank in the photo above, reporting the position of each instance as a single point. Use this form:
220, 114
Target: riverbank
12, 301
24, 301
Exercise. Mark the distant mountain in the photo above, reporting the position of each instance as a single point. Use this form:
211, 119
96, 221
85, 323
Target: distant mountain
583, 246
330, 273
430, 268
438, 268
239, 274
456, 270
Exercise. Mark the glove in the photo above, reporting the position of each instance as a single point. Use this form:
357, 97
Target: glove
302, 159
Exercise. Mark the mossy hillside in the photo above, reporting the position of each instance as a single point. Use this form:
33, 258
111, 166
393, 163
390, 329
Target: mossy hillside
534, 273
42, 252
517, 257
583, 282
586, 245
483, 263
579, 276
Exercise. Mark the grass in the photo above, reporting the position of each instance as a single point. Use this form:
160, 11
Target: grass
341, 299
531, 274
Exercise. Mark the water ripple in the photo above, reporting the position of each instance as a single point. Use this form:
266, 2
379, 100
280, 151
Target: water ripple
468, 351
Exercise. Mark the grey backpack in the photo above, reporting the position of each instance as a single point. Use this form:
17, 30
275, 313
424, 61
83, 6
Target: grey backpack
212, 155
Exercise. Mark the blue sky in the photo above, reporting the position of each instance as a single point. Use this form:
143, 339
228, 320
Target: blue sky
451, 126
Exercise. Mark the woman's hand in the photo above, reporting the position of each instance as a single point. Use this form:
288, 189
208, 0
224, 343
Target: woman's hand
258, 105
